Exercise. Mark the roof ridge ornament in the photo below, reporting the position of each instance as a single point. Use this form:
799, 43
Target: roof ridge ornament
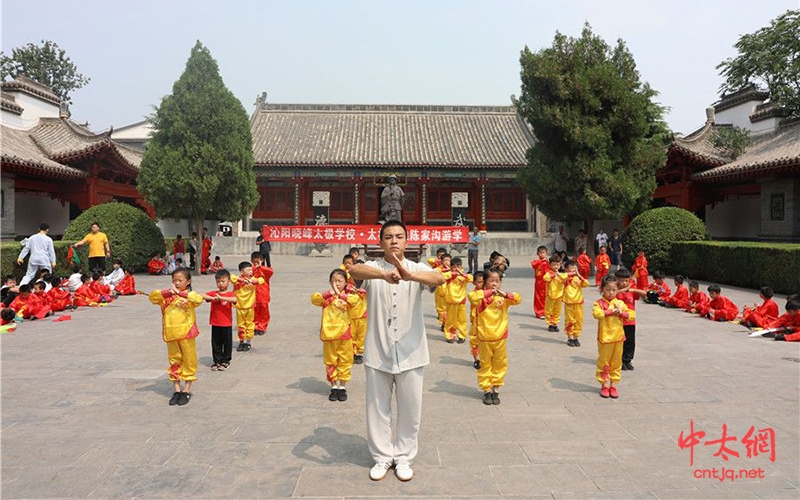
261, 100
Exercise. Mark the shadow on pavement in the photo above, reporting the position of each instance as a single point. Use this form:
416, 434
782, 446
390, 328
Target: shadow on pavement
550, 340
560, 383
581, 359
339, 447
450, 360
454, 389
311, 385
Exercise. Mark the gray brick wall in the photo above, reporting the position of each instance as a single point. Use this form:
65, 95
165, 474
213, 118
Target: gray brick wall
788, 228
7, 227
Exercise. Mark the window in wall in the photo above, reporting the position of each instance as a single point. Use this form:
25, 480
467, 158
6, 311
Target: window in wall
777, 207
505, 203
279, 199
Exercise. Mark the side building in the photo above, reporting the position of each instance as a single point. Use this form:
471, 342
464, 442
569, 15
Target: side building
442, 156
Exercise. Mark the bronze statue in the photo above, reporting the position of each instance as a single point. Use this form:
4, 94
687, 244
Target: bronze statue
392, 201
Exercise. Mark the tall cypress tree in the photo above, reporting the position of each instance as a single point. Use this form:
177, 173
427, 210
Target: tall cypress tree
199, 161
599, 135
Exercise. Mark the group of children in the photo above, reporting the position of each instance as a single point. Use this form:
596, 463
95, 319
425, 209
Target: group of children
48, 294
250, 297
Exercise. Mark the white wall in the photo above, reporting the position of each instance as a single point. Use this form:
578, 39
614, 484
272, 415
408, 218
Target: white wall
736, 217
31, 210
738, 115
173, 227
141, 132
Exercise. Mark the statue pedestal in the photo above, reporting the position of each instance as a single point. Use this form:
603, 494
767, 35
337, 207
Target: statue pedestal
321, 251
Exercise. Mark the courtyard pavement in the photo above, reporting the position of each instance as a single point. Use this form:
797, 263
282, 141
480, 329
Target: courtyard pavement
85, 414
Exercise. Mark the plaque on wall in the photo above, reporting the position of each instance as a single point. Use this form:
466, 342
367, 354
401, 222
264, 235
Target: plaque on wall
777, 207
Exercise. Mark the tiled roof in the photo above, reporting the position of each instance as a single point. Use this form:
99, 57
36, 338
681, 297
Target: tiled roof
770, 151
35, 88
64, 140
746, 93
698, 147
388, 135
20, 153
8, 103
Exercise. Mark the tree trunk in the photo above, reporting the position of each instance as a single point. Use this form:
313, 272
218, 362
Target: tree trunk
198, 256
587, 224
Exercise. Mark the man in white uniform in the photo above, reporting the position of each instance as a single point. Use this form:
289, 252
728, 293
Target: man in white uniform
395, 350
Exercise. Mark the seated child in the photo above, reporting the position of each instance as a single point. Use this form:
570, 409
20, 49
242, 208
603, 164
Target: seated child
790, 321
115, 276
334, 332
216, 265
760, 316
128, 284
10, 290
74, 280
171, 265
43, 275
698, 301
659, 287
640, 275
7, 316
58, 298
680, 299
39, 291
97, 286
84, 295
156, 264
720, 308
28, 306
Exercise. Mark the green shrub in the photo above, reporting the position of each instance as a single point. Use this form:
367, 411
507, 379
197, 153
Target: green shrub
10, 251
132, 235
740, 263
655, 230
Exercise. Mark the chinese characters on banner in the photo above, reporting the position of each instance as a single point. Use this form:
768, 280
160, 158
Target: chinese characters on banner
756, 443
363, 234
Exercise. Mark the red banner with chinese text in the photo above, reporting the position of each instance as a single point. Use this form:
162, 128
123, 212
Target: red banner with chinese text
363, 234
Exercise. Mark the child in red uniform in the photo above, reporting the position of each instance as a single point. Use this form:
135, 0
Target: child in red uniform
584, 263
720, 308
28, 306
221, 320
262, 293
58, 298
128, 284
628, 295
659, 289
601, 264
216, 265
156, 264
640, 271
84, 295
698, 300
680, 299
97, 286
760, 316
790, 321
39, 291
540, 267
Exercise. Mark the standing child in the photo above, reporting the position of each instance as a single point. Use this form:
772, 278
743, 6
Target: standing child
602, 264
128, 284
335, 333
179, 247
679, 299
179, 331
540, 266
697, 300
584, 263
492, 317
720, 308
441, 290
573, 303
555, 291
473, 322
628, 295
261, 312
610, 313
438, 297
244, 287
221, 320
358, 320
760, 316
639, 269
456, 281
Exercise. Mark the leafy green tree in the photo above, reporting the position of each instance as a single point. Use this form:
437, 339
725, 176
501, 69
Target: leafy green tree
599, 135
48, 64
769, 57
199, 161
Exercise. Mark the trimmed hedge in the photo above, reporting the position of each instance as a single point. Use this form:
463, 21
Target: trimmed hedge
655, 230
740, 263
10, 251
132, 235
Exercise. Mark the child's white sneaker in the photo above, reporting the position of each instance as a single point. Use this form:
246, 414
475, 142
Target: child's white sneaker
404, 471
379, 470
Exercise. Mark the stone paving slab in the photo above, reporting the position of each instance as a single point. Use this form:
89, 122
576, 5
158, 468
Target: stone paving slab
84, 409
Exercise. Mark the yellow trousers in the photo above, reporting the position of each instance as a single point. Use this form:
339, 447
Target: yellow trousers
338, 358
182, 356
573, 320
441, 305
494, 364
245, 322
609, 362
473, 340
455, 321
358, 329
552, 311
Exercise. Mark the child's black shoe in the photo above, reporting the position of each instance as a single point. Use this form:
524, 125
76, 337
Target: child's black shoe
476, 364
576, 343
358, 359
342, 396
570, 342
240, 347
487, 398
334, 395
495, 398
184, 398
174, 399
780, 336
460, 340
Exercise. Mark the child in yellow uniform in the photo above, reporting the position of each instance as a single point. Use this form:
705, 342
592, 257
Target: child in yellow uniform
473, 322
492, 318
610, 312
179, 331
573, 303
335, 333
244, 287
555, 291
441, 291
456, 281
358, 321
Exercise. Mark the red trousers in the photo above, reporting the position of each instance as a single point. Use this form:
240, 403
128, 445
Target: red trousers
262, 316
539, 296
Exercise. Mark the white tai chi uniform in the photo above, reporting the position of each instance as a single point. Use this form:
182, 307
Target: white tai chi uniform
395, 353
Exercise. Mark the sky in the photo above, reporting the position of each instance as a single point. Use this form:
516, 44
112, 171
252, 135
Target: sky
374, 52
